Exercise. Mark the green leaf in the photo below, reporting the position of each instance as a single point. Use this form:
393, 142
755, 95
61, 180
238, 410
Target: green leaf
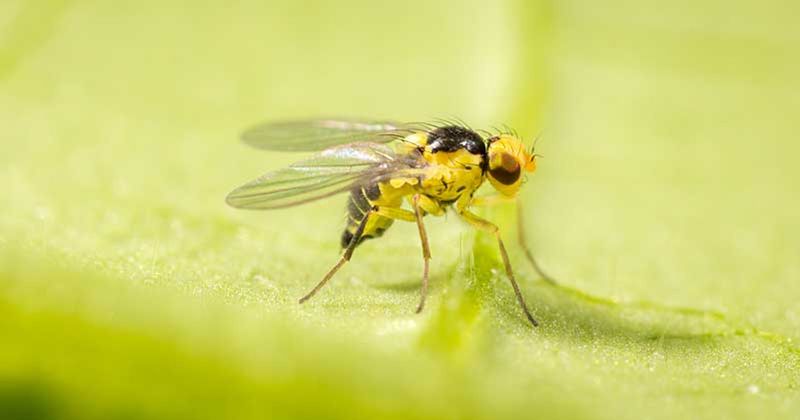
665, 206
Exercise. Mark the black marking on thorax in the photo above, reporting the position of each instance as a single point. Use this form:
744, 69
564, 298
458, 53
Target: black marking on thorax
452, 137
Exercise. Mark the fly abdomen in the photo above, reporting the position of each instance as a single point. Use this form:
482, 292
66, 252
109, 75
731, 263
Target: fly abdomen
359, 203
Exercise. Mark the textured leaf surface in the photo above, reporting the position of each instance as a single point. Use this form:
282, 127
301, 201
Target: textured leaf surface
666, 204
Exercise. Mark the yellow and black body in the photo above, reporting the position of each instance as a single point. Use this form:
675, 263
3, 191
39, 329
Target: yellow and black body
386, 169
455, 164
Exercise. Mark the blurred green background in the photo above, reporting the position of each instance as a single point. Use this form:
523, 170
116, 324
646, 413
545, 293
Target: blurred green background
666, 205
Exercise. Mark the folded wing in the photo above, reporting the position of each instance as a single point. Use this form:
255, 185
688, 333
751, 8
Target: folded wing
315, 135
331, 171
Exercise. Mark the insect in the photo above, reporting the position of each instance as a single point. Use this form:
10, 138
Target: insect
383, 166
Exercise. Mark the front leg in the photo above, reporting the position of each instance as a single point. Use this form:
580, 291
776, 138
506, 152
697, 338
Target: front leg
492, 200
523, 243
490, 227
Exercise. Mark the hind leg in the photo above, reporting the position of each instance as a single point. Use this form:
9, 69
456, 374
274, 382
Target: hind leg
391, 213
348, 252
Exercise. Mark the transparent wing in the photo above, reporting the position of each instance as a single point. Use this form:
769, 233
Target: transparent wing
315, 135
332, 171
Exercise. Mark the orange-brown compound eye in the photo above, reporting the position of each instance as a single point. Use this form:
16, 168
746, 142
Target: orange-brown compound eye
507, 172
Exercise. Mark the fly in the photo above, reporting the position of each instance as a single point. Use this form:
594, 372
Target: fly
384, 165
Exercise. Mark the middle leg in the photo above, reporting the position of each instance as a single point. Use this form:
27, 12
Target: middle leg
415, 216
426, 251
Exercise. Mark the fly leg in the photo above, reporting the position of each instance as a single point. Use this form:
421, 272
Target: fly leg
497, 199
426, 251
524, 245
490, 227
348, 252
392, 213
417, 202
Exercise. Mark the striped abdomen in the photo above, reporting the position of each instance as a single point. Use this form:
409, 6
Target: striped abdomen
359, 202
